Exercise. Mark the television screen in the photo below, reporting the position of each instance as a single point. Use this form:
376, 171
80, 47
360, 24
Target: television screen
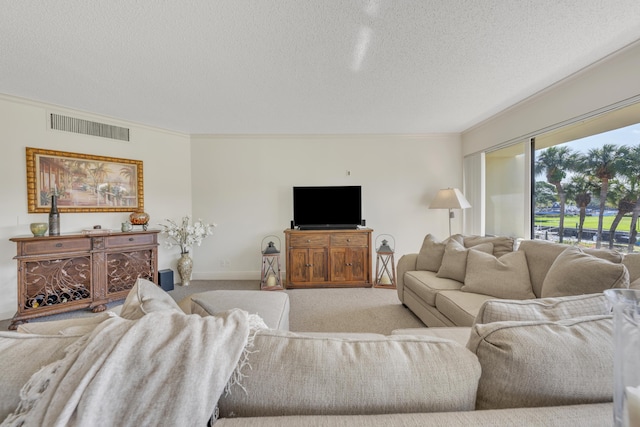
327, 207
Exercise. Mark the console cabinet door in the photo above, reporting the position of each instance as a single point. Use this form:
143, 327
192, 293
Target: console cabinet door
348, 264
298, 265
318, 268
308, 265
358, 265
339, 265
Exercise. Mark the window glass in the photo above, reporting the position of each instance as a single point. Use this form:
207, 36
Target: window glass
587, 182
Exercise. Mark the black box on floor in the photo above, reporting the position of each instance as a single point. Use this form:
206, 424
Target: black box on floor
165, 279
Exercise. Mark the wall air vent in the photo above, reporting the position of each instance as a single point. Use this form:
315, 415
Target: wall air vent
72, 124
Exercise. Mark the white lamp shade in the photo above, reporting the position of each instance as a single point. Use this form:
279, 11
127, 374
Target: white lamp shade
449, 198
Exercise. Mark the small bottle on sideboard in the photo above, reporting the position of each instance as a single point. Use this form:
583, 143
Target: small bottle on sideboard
54, 217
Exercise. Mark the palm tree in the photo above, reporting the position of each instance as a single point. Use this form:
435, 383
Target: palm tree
603, 163
625, 194
631, 170
545, 194
555, 162
98, 173
579, 190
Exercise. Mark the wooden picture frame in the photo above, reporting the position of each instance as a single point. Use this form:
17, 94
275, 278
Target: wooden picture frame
83, 182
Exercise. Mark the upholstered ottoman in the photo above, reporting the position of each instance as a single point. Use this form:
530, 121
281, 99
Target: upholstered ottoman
272, 307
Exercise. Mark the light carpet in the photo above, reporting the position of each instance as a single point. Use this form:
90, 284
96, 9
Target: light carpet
374, 310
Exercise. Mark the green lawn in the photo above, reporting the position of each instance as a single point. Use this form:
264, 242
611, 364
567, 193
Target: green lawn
590, 222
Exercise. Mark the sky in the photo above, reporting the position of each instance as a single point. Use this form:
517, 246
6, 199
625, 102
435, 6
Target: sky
629, 135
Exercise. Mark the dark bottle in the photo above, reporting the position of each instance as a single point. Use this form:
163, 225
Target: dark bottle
54, 217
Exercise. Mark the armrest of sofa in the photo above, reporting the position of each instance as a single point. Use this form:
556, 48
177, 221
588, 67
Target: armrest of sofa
406, 263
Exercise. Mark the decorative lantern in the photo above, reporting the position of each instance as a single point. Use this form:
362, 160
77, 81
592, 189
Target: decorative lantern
385, 264
271, 278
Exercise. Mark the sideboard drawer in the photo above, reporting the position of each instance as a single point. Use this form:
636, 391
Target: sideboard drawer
40, 246
129, 240
349, 239
309, 240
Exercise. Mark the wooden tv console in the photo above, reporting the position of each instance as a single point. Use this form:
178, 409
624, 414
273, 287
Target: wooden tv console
62, 273
328, 258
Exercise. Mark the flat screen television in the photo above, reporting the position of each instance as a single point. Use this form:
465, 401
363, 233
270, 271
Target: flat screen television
332, 207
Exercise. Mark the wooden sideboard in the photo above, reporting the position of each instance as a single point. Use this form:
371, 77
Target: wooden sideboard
74, 271
328, 258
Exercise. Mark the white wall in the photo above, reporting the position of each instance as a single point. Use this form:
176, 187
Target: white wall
241, 183
610, 81
244, 184
167, 179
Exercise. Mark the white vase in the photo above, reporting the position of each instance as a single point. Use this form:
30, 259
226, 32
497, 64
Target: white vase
185, 266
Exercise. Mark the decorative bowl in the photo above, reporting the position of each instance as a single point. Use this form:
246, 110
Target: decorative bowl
139, 218
39, 228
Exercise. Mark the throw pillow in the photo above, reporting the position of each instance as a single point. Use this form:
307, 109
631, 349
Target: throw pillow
574, 273
501, 245
454, 261
146, 297
432, 251
541, 254
541, 363
505, 277
632, 262
552, 309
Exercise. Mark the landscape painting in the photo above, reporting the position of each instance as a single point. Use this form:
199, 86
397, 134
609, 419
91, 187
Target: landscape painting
83, 182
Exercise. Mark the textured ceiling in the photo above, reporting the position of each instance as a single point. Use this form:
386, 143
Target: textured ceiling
303, 67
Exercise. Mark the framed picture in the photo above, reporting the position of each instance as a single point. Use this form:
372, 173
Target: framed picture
83, 182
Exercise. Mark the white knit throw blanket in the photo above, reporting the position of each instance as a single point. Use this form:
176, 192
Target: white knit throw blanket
164, 369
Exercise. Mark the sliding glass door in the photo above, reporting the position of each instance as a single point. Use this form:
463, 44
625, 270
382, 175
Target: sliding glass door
576, 183
506, 197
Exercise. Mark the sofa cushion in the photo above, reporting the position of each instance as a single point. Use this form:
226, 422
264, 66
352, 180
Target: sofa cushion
432, 251
541, 363
541, 254
635, 284
596, 415
552, 309
426, 285
575, 272
501, 245
293, 374
146, 297
504, 277
460, 307
21, 356
454, 261
272, 307
632, 262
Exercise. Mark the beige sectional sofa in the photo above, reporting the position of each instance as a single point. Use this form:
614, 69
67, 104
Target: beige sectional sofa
446, 283
508, 372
